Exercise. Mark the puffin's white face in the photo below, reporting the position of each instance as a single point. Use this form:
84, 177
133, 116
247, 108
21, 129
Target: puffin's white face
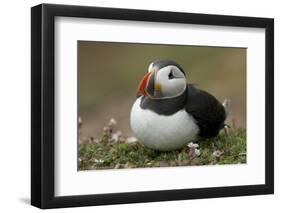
169, 82
166, 82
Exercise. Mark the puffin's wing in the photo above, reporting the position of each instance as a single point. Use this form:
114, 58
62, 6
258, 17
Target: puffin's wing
206, 110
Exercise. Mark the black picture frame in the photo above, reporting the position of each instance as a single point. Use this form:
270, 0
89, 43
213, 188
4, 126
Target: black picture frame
43, 102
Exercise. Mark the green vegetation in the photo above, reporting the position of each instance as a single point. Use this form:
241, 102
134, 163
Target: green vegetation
111, 152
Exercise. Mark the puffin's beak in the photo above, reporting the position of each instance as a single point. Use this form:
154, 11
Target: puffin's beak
142, 85
147, 84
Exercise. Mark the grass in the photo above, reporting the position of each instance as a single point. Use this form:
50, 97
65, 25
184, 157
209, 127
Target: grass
229, 147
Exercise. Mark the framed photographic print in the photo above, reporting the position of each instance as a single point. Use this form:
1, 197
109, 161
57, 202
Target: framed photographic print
139, 106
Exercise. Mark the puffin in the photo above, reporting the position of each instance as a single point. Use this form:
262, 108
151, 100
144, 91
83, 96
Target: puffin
169, 112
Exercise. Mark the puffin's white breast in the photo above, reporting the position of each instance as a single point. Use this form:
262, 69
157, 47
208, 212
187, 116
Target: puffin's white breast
162, 132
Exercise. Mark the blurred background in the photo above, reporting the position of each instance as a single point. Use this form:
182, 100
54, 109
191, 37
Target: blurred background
109, 73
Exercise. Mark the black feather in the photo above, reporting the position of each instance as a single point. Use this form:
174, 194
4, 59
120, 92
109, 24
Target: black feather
166, 106
206, 110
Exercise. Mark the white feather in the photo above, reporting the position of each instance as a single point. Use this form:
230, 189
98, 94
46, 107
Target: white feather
227, 105
170, 87
162, 132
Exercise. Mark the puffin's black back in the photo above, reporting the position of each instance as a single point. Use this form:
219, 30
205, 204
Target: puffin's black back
206, 110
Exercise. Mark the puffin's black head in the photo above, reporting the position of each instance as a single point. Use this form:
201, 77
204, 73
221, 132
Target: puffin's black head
165, 79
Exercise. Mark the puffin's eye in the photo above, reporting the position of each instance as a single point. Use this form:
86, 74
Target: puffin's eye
171, 76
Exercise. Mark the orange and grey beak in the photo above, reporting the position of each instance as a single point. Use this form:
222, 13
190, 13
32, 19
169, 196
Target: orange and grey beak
146, 84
